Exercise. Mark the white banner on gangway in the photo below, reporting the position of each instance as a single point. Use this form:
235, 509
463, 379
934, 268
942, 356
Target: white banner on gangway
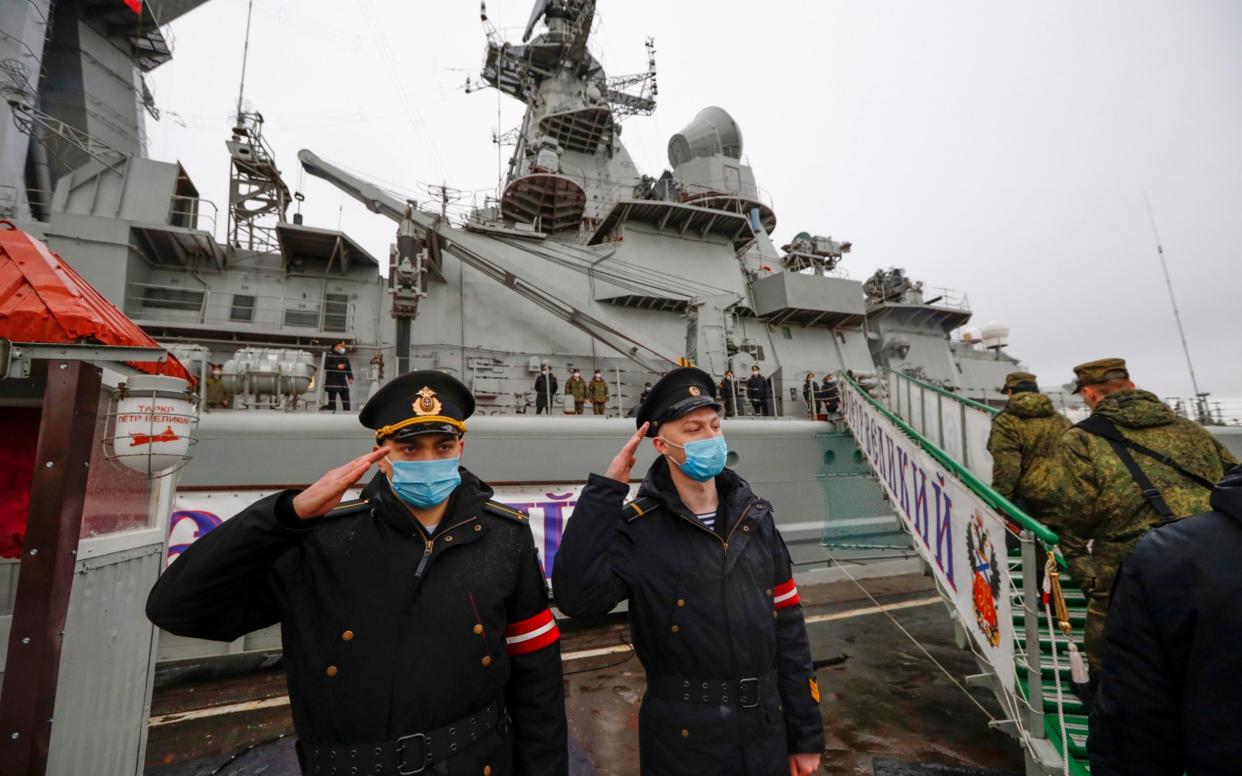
953, 530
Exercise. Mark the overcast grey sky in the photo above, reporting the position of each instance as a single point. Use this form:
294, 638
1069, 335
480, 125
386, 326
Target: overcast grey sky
1000, 149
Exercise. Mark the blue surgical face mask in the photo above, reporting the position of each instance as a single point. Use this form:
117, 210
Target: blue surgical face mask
705, 458
423, 484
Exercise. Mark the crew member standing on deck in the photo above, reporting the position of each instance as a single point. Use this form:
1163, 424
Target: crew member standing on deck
714, 610
576, 387
545, 388
340, 375
757, 391
728, 392
597, 392
416, 628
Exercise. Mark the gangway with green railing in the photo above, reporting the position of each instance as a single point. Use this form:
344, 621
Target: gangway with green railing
928, 448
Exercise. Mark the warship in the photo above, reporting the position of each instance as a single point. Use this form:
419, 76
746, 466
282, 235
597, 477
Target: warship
580, 260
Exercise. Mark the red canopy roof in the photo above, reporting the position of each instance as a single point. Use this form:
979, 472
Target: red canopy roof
42, 299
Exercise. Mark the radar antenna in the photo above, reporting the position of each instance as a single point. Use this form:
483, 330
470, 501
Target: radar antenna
1201, 405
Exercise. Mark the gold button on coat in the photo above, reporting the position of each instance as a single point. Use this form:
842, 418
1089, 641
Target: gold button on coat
768, 591
487, 770
487, 660
676, 629
478, 629
681, 602
331, 671
685, 733
480, 528
347, 636
448, 538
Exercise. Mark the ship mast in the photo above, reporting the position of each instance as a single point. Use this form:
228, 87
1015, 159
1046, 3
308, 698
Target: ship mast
1201, 408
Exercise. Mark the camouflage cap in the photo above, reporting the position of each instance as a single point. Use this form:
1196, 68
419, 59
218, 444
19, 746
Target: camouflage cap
1015, 379
1101, 371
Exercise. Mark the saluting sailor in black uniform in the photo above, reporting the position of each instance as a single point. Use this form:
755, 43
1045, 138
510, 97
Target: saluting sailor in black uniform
416, 628
713, 606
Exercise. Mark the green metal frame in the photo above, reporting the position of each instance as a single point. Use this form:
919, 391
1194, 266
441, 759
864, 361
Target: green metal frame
978, 486
1076, 756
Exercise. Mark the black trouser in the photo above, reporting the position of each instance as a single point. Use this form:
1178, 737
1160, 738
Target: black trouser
541, 404
334, 391
760, 406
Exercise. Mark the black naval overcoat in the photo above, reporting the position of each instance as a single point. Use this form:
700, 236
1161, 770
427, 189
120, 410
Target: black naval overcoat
704, 605
386, 632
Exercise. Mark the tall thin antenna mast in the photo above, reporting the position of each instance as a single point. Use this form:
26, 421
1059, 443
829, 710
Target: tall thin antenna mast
1200, 398
241, 90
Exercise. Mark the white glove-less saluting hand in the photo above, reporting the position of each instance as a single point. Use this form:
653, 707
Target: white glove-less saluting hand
621, 466
326, 492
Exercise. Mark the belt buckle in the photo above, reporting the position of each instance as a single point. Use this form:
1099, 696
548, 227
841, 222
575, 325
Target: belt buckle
751, 681
422, 755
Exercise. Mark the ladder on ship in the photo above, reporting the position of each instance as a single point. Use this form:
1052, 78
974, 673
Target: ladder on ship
911, 433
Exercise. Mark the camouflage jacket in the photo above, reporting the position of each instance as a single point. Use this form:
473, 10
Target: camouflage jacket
576, 387
216, 395
1096, 499
1023, 443
597, 390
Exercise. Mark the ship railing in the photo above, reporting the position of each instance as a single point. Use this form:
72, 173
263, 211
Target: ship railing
238, 311
194, 213
724, 188
946, 297
951, 512
955, 424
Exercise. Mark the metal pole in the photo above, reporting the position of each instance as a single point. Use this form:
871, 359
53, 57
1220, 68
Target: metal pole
1030, 604
49, 554
322, 378
940, 419
620, 411
1177, 316
962, 428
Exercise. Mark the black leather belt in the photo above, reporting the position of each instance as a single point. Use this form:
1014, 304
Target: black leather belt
408, 755
745, 693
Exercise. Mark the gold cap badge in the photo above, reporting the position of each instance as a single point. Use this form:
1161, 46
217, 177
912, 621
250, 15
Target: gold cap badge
694, 390
427, 403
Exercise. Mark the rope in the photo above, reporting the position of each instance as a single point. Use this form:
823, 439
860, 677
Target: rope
911, 637
1050, 570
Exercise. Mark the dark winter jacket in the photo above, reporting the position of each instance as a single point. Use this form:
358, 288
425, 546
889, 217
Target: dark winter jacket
756, 387
387, 632
704, 605
1170, 695
338, 369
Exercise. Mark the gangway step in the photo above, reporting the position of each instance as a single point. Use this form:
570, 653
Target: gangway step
1077, 617
1045, 644
1070, 701
1046, 669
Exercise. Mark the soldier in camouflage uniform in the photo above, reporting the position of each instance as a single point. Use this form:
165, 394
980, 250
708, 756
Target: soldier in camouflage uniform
1098, 499
576, 387
1023, 443
597, 392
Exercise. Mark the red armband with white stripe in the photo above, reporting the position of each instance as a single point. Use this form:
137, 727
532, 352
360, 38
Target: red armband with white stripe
785, 595
533, 633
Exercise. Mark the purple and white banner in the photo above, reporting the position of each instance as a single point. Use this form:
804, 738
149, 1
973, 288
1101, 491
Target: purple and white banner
960, 537
549, 506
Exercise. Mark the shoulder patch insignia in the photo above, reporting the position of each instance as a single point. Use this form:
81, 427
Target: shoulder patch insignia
639, 507
353, 507
500, 510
